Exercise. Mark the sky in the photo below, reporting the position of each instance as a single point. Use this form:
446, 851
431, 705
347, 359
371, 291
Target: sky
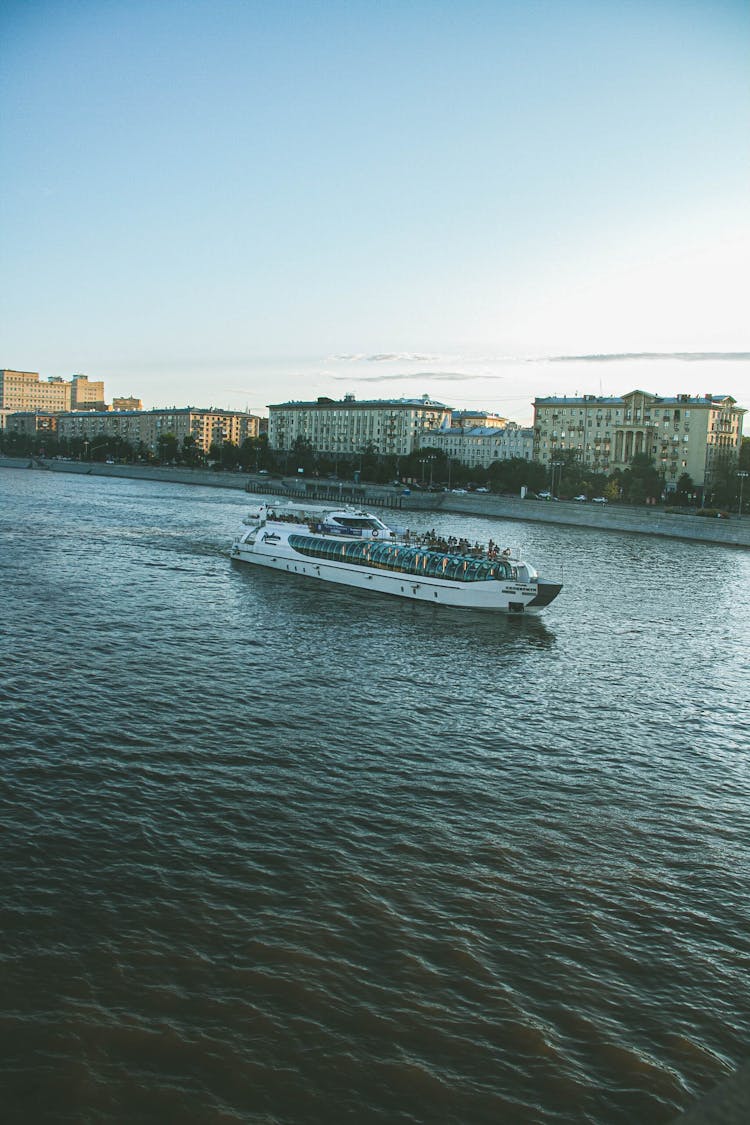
240, 203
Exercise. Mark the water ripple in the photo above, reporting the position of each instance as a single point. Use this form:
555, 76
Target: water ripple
279, 854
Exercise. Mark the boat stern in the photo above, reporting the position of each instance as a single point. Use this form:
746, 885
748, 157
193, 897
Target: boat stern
546, 593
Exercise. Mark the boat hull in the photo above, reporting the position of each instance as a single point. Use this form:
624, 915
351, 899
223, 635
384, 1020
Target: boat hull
497, 596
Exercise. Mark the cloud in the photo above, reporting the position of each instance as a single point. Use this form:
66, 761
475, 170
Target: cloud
400, 357
445, 376
618, 356
383, 357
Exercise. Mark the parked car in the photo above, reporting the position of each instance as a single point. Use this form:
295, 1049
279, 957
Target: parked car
481, 489
581, 497
544, 495
600, 500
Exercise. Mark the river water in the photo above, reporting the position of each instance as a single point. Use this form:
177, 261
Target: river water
276, 852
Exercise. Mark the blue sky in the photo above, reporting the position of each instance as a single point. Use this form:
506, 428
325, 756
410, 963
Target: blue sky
240, 203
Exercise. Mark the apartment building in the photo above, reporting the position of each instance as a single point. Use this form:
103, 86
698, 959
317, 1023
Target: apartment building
86, 395
23, 390
480, 446
346, 426
684, 434
470, 419
31, 423
147, 426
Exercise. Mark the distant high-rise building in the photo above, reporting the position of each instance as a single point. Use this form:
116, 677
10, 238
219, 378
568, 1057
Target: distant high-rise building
22, 390
86, 395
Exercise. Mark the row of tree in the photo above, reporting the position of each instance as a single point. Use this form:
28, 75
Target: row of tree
250, 456
425, 468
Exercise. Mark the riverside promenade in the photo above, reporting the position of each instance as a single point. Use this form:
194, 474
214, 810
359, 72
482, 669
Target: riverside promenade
733, 532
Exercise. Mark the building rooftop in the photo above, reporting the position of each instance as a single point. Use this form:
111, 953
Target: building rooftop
484, 431
159, 410
618, 400
350, 402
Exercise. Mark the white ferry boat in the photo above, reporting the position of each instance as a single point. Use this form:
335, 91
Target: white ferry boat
355, 548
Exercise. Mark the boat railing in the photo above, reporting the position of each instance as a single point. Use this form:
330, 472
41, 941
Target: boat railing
326, 492
429, 541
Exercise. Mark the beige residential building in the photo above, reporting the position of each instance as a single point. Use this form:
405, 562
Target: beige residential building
346, 426
206, 426
684, 434
32, 423
480, 446
86, 395
130, 403
469, 419
22, 390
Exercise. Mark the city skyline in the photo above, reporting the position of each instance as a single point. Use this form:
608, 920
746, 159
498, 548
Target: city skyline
518, 407
246, 204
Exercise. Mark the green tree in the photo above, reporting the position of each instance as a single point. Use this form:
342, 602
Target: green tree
744, 458
515, 473
303, 455
230, 455
370, 463
595, 484
570, 481
723, 484
641, 481
685, 490
168, 447
252, 453
191, 452
428, 464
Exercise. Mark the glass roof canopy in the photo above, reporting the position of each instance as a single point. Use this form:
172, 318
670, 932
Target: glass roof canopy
404, 560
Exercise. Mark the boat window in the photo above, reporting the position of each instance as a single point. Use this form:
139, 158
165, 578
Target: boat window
407, 560
357, 521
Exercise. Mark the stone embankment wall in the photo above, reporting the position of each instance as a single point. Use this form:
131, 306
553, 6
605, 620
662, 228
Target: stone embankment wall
733, 532
612, 517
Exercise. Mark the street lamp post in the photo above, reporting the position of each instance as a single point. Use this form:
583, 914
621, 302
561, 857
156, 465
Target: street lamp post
741, 474
555, 465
